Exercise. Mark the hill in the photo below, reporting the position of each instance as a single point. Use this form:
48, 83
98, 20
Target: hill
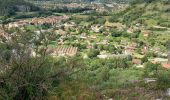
9, 7
146, 12
88, 1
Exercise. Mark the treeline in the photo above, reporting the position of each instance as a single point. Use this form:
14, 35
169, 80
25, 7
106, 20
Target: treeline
69, 10
87, 1
10, 7
149, 1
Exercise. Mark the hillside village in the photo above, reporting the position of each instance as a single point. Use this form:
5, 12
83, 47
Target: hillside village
108, 50
70, 30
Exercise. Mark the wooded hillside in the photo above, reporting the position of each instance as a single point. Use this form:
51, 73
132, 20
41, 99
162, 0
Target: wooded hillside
8, 7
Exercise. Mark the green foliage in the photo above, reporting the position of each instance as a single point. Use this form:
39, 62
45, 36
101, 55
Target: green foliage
163, 79
93, 53
114, 18
133, 15
9, 7
104, 78
116, 33
112, 63
144, 59
88, 1
141, 1
69, 10
151, 69
31, 76
150, 54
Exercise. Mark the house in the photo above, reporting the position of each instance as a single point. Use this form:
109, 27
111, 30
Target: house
124, 42
145, 49
37, 21
137, 61
159, 60
129, 49
4, 35
61, 32
92, 37
146, 33
96, 28
61, 41
166, 65
107, 56
162, 61
130, 30
89, 46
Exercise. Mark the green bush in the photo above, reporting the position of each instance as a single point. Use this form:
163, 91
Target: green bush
151, 69
144, 59
132, 16
163, 81
150, 54
93, 53
113, 19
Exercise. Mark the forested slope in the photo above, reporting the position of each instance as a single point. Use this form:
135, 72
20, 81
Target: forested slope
146, 12
8, 7
88, 1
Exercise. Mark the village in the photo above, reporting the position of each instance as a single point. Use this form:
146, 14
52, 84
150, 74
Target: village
74, 38
84, 50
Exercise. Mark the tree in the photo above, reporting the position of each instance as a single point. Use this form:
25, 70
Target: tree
9, 7
27, 71
151, 69
144, 59
93, 53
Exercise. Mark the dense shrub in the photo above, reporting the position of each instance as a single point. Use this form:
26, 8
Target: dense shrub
113, 19
151, 54
165, 24
163, 79
144, 59
93, 53
151, 69
9, 7
132, 16
133, 2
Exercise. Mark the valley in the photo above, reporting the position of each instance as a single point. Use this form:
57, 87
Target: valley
86, 50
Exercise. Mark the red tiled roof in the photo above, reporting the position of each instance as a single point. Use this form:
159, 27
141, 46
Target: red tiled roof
137, 61
165, 65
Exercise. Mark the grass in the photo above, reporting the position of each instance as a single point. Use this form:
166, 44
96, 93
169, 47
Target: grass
81, 16
136, 55
31, 28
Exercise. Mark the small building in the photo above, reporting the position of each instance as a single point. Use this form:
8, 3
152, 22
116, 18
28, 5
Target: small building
4, 35
146, 33
166, 65
137, 61
145, 49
